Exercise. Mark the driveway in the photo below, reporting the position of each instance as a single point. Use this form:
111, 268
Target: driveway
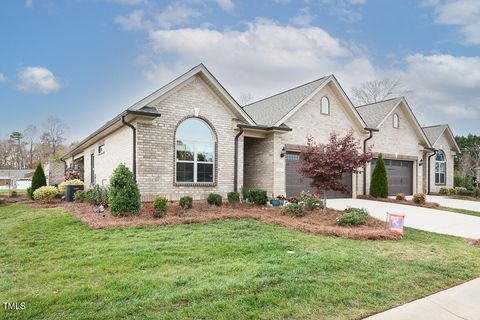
455, 203
432, 220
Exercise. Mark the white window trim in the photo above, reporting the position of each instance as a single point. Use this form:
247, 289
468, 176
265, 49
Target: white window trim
328, 106
397, 118
444, 165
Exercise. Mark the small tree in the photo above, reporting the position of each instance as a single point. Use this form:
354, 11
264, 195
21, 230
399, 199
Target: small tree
326, 163
123, 194
38, 180
379, 182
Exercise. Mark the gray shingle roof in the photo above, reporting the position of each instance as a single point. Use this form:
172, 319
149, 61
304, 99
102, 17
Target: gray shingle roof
270, 110
373, 114
434, 132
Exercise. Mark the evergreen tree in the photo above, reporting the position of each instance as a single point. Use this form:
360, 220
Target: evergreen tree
379, 182
38, 180
123, 194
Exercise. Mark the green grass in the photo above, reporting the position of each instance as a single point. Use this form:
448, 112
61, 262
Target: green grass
462, 211
5, 193
237, 269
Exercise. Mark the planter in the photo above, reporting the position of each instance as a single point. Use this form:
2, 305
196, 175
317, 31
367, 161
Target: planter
276, 202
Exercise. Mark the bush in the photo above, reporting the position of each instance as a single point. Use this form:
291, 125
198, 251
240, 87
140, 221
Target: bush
123, 194
451, 191
444, 191
379, 182
311, 201
38, 180
461, 191
62, 187
214, 199
419, 198
160, 205
295, 209
233, 198
257, 196
14, 194
186, 202
400, 196
97, 196
352, 217
79, 196
477, 192
45, 194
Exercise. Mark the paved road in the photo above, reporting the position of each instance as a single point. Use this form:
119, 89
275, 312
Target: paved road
460, 302
432, 220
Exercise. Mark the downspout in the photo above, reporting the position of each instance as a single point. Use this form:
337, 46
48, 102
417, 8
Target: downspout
235, 164
370, 136
429, 162
134, 131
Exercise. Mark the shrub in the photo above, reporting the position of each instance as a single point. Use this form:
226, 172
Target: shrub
257, 196
38, 180
123, 194
72, 175
233, 198
379, 182
186, 202
400, 196
464, 192
312, 202
444, 191
160, 205
45, 193
352, 217
459, 190
214, 199
451, 191
14, 194
79, 196
477, 192
419, 198
295, 209
465, 182
97, 195
62, 187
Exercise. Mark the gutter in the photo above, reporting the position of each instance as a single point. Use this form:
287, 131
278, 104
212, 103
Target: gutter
370, 136
429, 163
264, 128
134, 132
235, 164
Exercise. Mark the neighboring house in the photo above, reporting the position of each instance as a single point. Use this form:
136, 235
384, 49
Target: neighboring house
442, 139
192, 138
15, 178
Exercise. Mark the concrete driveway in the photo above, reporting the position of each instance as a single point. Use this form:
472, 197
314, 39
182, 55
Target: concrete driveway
432, 220
454, 203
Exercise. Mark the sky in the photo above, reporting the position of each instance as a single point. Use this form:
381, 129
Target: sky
86, 61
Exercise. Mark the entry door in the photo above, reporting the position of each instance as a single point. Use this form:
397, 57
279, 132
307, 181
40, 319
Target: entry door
92, 168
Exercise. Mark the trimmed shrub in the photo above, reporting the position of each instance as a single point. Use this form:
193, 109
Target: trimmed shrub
160, 205
419, 198
400, 196
45, 193
214, 199
62, 187
123, 194
459, 190
233, 198
186, 202
97, 196
38, 180
257, 196
352, 217
379, 181
312, 202
444, 191
451, 191
79, 196
295, 209
465, 182
464, 192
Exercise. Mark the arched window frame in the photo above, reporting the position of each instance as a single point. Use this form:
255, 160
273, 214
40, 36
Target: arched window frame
325, 108
440, 168
396, 121
195, 161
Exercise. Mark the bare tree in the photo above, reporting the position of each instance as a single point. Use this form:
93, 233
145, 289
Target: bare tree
30, 134
245, 97
54, 134
377, 90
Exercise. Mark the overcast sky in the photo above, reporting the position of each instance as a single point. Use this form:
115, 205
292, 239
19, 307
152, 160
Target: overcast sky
88, 60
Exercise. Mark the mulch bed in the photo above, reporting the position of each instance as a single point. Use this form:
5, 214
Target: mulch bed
431, 205
475, 243
313, 221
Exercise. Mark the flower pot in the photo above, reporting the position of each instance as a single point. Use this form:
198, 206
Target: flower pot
275, 202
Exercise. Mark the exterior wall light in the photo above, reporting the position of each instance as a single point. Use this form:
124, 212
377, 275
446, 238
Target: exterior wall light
420, 163
283, 153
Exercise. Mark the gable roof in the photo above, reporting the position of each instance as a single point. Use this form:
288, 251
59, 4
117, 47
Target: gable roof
374, 113
433, 133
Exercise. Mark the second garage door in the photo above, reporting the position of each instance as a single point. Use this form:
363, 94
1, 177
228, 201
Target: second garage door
295, 183
400, 176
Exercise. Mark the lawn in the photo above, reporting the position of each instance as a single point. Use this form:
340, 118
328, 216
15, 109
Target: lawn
235, 269
462, 211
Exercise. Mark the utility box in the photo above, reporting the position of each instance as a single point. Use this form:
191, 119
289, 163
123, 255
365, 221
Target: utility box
70, 191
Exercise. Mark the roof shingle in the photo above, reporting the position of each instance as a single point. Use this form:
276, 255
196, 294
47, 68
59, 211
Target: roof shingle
373, 114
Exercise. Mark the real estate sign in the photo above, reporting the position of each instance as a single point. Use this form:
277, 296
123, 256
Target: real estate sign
395, 222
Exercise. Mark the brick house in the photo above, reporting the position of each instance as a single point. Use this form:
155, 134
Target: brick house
192, 138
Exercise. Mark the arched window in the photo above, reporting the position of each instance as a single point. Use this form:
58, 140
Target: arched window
195, 151
440, 167
396, 121
324, 106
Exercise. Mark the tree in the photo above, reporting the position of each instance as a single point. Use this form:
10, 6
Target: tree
54, 134
326, 163
123, 194
467, 163
38, 180
30, 134
379, 182
377, 90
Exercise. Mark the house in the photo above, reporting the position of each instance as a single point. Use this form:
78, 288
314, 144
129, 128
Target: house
15, 179
191, 137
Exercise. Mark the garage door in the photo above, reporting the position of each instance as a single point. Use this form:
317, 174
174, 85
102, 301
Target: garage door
295, 183
400, 176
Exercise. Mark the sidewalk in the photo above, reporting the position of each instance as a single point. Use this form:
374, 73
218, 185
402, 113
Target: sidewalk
460, 302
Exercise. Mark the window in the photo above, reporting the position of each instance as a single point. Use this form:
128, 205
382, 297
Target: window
101, 149
440, 167
396, 121
195, 152
325, 106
